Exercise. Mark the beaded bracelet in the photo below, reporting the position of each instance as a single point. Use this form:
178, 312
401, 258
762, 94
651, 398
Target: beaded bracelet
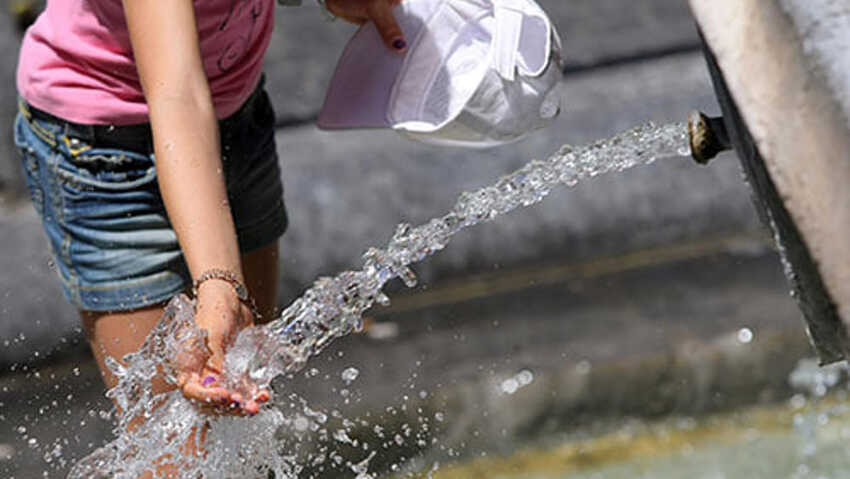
229, 277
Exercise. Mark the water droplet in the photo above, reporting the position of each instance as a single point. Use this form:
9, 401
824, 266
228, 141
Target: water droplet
510, 386
301, 424
745, 335
583, 367
349, 375
7, 451
525, 377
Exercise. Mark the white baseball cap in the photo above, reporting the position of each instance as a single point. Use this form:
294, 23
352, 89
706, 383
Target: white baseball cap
477, 73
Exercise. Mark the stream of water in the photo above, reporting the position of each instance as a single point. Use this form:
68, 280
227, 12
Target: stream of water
332, 308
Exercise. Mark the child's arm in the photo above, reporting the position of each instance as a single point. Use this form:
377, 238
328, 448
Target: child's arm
186, 144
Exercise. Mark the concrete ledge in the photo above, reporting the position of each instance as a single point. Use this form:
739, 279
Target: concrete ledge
776, 60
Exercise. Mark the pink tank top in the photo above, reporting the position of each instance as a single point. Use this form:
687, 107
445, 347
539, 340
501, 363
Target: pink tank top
76, 61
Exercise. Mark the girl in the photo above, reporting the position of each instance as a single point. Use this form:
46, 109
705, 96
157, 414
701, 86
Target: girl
106, 86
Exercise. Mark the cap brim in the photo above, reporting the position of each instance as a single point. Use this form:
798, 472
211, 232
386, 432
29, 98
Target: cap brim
361, 86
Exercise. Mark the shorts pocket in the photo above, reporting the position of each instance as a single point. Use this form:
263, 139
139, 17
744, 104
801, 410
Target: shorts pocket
109, 169
104, 187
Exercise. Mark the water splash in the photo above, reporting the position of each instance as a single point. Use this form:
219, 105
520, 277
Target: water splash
332, 308
813, 382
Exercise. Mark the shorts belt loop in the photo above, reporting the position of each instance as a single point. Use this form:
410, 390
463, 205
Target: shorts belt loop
39, 131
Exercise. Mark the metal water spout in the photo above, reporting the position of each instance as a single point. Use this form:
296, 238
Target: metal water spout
708, 137
782, 79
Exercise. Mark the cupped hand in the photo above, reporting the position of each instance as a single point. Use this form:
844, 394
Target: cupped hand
380, 12
220, 312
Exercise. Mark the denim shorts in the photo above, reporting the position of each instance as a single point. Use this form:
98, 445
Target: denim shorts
101, 208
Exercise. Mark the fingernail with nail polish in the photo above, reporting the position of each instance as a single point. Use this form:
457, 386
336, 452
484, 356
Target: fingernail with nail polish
208, 380
399, 44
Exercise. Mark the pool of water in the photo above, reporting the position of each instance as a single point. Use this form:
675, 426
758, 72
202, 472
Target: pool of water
798, 440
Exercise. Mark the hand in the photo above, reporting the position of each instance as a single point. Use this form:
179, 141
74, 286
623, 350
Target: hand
378, 11
220, 312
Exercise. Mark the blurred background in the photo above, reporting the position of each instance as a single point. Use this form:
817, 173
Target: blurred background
637, 325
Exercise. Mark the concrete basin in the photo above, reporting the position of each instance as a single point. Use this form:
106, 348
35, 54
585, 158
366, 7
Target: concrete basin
780, 71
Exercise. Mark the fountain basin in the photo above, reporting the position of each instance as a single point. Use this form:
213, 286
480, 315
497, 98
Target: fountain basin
720, 446
780, 80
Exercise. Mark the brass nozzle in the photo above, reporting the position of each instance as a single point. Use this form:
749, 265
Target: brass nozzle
708, 137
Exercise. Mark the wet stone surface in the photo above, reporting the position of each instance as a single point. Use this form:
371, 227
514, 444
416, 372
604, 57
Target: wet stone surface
676, 350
